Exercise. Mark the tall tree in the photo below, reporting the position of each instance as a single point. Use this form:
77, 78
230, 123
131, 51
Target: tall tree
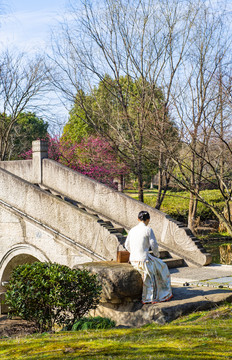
176, 46
126, 127
28, 127
22, 83
139, 41
199, 106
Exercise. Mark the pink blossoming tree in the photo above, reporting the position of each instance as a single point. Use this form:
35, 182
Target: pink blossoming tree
93, 157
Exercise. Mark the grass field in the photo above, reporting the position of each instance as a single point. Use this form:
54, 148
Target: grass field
176, 205
176, 202
201, 335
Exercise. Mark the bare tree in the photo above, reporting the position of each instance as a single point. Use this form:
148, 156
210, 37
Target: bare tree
173, 47
201, 110
23, 82
144, 42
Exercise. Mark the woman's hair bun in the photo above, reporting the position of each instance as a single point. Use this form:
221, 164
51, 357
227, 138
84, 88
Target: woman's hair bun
143, 215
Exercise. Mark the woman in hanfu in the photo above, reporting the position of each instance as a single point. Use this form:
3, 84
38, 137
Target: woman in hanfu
155, 273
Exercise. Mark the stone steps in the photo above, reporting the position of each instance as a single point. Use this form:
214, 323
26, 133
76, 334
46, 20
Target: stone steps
204, 230
174, 262
164, 254
109, 225
171, 261
113, 228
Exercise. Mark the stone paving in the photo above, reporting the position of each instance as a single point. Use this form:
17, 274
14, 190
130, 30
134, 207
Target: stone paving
214, 275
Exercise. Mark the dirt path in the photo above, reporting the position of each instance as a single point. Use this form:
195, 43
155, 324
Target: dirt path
14, 327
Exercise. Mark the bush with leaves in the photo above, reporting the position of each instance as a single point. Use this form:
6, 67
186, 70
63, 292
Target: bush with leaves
49, 294
87, 323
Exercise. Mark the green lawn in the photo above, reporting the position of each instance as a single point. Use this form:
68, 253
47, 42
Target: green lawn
176, 202
203, 335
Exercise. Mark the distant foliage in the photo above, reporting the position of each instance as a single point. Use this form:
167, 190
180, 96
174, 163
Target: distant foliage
20, 133
54, 151
28, 128
49, 294
93, 157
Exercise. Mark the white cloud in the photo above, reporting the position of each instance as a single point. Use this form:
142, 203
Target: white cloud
28, 31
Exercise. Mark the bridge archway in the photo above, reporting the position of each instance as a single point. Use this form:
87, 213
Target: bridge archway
18, 255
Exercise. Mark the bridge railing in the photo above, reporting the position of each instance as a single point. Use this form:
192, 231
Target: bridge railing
123, 210
112, 204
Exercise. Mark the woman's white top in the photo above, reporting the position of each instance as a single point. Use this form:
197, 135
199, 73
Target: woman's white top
138, 242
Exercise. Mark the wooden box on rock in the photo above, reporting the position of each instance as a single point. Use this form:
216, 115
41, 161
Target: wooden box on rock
123, 256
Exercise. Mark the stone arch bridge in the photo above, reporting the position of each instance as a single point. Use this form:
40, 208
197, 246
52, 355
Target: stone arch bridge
49, 212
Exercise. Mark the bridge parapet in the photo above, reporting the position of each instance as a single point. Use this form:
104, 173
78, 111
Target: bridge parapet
113, 205
21, 168
63, 219
122, 209
39, 152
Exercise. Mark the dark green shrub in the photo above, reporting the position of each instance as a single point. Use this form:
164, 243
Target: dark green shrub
49, 294
87, 323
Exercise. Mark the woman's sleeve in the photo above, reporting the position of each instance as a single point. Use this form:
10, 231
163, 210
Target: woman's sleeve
127, 242
153, 244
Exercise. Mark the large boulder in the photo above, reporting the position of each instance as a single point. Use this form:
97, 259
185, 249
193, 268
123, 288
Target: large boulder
120, 281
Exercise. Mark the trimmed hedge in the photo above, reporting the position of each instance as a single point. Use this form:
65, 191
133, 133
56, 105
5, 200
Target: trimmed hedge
49, 294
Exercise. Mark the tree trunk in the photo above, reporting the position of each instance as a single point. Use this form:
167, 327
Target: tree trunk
162, 195
225, 251
121, 183
193, 200
140, 187
192, 212
162, 185
152, 182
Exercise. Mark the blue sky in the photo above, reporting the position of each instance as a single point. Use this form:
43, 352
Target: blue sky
26, 24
